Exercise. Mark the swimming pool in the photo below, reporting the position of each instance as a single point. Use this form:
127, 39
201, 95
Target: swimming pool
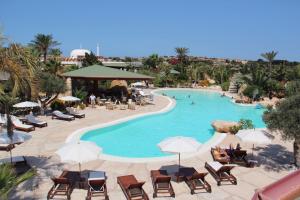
192, 116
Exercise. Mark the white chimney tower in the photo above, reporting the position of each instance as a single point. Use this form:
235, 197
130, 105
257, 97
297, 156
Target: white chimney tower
98, 50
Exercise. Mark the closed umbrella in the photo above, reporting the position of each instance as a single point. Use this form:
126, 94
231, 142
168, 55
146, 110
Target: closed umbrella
69, 98
26, 104
17, 138
179, 144
80, 152
253, 136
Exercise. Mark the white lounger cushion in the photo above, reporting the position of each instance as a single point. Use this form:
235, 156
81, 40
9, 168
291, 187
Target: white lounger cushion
18, 123
14, 159
33, 120
72, 111
215, 165
60, 114
96, 175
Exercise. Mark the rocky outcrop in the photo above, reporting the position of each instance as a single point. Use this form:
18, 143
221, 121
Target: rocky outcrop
223, 126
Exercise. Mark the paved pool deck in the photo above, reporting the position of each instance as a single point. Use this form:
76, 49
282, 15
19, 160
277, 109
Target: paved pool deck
274, 161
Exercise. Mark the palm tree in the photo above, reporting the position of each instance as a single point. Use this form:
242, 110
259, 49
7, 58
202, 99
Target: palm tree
153, 61
9, 179
44, 43
182, 57
269, 56
18, 63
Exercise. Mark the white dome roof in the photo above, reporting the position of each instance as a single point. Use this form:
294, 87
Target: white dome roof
79, 52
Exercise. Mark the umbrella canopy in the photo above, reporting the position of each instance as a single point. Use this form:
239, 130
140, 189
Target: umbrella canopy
79, 152
18, 137
69, 98
26, 104
256, 136
179, 144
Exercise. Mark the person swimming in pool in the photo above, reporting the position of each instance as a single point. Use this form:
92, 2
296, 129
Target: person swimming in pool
189, 96
193, 103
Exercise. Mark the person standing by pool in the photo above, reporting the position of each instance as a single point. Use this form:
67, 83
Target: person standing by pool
93, 100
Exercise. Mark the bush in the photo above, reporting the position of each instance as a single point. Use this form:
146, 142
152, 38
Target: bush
225, 86
246, 124
234, 129
292, 88
253, 92
80, 93
58, 105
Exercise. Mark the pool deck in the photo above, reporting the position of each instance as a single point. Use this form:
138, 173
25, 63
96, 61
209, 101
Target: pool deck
274, 161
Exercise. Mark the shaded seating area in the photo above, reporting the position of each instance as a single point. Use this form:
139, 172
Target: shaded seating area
75, 113
220, 155
161, 182
31, 120
59, 115
132, 188
97, 185
194, 180
221, 173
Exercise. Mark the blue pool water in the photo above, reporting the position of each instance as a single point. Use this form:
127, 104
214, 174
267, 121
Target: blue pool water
138, 138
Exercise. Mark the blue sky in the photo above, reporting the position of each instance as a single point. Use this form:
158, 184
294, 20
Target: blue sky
214, 28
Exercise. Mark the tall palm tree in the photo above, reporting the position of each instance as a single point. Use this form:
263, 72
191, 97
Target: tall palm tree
182, 57
18, 63
269, 56
44, 43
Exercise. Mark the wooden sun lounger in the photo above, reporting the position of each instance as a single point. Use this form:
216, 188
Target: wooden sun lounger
221, 173
194, 179
64, 184
131, 188
220, 155
26, 128
6, 147
161, 183
97, 185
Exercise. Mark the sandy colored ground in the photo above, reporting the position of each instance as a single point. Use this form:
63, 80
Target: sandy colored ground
274, 161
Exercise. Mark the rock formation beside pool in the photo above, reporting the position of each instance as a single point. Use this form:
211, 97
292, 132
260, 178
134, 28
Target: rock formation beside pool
223, 126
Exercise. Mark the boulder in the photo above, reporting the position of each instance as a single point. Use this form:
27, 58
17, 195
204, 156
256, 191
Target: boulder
223, 126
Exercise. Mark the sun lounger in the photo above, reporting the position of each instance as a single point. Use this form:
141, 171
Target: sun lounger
131, 188
97, 185
62, 186
221, 173
6, 147
59, 115
30, 119
74, 113
220, 155
194, 179
161, 183
20, 126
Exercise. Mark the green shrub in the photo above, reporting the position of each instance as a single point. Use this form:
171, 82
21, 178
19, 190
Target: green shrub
80, 93
58, 105
234, 129
253, 91
225, 86
246, 124
292, 88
